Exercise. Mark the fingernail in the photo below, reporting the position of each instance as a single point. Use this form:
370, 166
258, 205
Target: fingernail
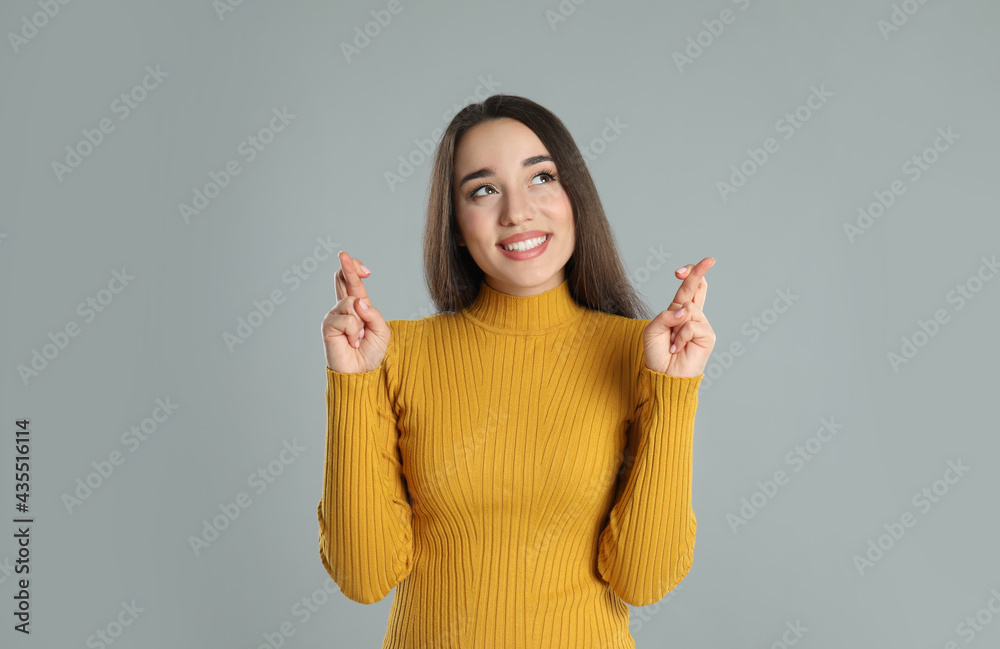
673, 348
365, 268
681, 270
679, 313
363, 304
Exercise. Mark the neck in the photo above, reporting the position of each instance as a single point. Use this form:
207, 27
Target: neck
524, 314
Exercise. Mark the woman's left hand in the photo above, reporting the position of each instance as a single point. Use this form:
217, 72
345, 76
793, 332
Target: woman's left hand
681, 346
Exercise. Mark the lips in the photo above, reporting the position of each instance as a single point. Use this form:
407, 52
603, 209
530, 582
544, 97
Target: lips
541, 241
521, 236
524, 255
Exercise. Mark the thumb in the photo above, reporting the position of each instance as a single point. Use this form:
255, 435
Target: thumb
371, 317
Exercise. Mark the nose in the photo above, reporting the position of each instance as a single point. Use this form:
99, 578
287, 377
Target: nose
517, 207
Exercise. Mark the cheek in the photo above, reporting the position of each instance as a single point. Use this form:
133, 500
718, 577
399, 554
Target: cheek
556, 201
473, 227
560, 207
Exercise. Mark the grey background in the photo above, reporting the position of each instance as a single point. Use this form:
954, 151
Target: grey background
324, 176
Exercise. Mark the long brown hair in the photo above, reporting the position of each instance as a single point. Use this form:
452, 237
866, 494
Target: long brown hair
595, 272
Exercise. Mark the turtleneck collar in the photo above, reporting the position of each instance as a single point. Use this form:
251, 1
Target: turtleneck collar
529, 314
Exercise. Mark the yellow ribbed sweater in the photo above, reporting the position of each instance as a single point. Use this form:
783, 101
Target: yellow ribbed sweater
482, 470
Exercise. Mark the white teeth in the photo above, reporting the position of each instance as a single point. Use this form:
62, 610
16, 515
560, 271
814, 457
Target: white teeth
527, 244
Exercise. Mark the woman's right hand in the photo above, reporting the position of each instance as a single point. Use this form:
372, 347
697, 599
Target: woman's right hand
354, 333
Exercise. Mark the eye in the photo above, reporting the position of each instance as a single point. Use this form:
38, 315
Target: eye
549, 174
475, 191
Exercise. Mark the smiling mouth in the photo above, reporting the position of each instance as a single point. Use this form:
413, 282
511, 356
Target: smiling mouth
527, 244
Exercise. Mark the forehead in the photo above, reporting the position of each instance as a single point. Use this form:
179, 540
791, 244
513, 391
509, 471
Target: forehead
497, 143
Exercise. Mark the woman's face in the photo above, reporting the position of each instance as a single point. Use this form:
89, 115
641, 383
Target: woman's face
505, 185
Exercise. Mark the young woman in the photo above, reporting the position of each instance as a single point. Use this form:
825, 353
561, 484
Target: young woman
517, 465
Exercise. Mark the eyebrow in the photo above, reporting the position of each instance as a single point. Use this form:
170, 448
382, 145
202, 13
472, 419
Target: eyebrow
487, 171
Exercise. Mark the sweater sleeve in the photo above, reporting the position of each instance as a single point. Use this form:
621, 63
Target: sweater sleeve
647, 545
365, 533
